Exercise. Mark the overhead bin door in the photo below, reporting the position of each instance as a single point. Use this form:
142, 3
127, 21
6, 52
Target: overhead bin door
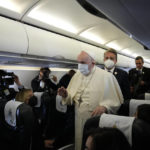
44, 43
13, 37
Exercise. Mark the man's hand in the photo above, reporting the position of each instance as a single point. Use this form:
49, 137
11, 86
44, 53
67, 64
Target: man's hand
98, 111
54, 78
62, 92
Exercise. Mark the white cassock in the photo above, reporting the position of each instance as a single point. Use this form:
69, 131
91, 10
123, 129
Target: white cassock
99, 88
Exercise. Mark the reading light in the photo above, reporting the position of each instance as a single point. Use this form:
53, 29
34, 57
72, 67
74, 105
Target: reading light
52, 20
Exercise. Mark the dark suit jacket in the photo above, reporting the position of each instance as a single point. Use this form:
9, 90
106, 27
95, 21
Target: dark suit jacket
123, 80
35, 84
134, 78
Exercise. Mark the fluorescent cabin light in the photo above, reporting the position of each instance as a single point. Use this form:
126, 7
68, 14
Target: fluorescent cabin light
8, 4
92, 37
18, 68
114, 46
52, 20
6, 67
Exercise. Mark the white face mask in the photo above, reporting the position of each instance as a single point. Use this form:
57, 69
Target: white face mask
83, 68
109, 64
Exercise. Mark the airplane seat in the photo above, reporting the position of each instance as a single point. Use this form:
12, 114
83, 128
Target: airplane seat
147, 96
60, 123
16, 125
128, 108
37, 108
46, 100
135, 130
140, 135
134, 103
124, 109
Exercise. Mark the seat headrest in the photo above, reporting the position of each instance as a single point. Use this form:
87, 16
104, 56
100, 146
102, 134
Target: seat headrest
147, 96
123, 123
134, 104
59, 106
10, 112
38, 95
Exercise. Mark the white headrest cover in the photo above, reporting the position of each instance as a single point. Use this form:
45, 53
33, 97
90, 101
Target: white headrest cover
147, 96
123, 123
10, 112
134, 104
59, 106
38, 95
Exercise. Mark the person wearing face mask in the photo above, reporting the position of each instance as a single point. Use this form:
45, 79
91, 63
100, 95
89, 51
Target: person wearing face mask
139, 78
43, 83
93, 91
110, 60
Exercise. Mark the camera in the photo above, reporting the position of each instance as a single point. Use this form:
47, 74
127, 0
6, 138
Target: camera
6, 79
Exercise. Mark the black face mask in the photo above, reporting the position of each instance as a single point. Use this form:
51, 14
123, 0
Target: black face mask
32, 101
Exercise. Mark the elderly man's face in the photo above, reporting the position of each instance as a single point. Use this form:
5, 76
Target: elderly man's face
84, 58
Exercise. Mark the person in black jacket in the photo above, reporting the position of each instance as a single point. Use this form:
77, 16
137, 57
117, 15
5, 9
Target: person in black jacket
42, 83
64, 81
139, 78
110, 60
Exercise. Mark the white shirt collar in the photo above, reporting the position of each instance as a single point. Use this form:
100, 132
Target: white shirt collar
139, 69
112, 70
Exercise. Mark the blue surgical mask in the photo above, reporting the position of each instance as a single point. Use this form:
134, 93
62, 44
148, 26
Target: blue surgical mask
83, 68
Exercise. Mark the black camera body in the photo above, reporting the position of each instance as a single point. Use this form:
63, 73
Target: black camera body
6, 79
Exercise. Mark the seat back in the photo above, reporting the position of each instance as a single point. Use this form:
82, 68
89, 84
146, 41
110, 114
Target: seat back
123, 123
16, 125
147, 96
134, 104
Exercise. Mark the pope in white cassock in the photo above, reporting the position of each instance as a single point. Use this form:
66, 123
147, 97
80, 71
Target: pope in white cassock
93, 91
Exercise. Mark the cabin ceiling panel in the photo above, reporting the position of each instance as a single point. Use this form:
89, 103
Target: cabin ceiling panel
15, 8
130, 15
69, 18
121, 43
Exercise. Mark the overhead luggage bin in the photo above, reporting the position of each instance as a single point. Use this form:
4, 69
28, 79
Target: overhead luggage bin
13, 37
44, 43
